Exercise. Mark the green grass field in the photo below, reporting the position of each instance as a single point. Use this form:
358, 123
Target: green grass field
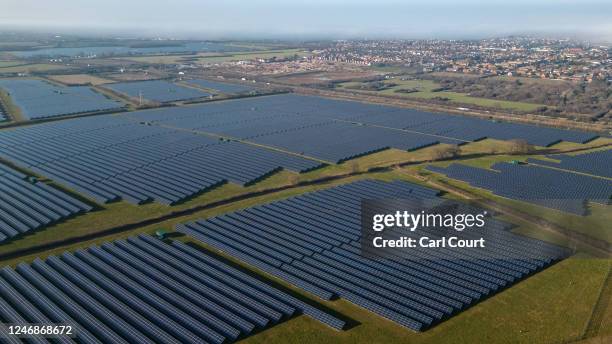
31, 68
425, 91
5, 64
266, 54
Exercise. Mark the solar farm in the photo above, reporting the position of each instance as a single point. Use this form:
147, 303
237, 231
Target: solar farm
156, 90
39, 99
337, 131
255, 207
220, 87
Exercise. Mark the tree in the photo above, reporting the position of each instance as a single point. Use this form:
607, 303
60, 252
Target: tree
520, 147
446, 152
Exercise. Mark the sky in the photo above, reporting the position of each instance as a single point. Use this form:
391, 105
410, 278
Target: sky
313, 19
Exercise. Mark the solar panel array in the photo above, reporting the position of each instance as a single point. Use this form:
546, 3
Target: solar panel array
156, 90
142, 290
26, 206
221, 86
341, 141
313, 242
451, 126
598, 163
109, 157
337, 130
39, 99
547, 187
270, 121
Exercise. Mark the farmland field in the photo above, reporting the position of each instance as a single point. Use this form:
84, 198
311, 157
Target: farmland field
423, 89
251, 56
31, 68
5, 64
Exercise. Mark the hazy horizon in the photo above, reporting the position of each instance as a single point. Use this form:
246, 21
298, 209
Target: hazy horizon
314, 19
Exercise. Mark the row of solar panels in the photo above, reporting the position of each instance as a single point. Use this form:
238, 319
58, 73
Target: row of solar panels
39, 99
156, 90
313, 242
143, 290
109, 157
598, 163
26, 206
556, 189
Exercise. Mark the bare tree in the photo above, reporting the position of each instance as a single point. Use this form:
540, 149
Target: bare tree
294, 179
520, 147
445, 152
